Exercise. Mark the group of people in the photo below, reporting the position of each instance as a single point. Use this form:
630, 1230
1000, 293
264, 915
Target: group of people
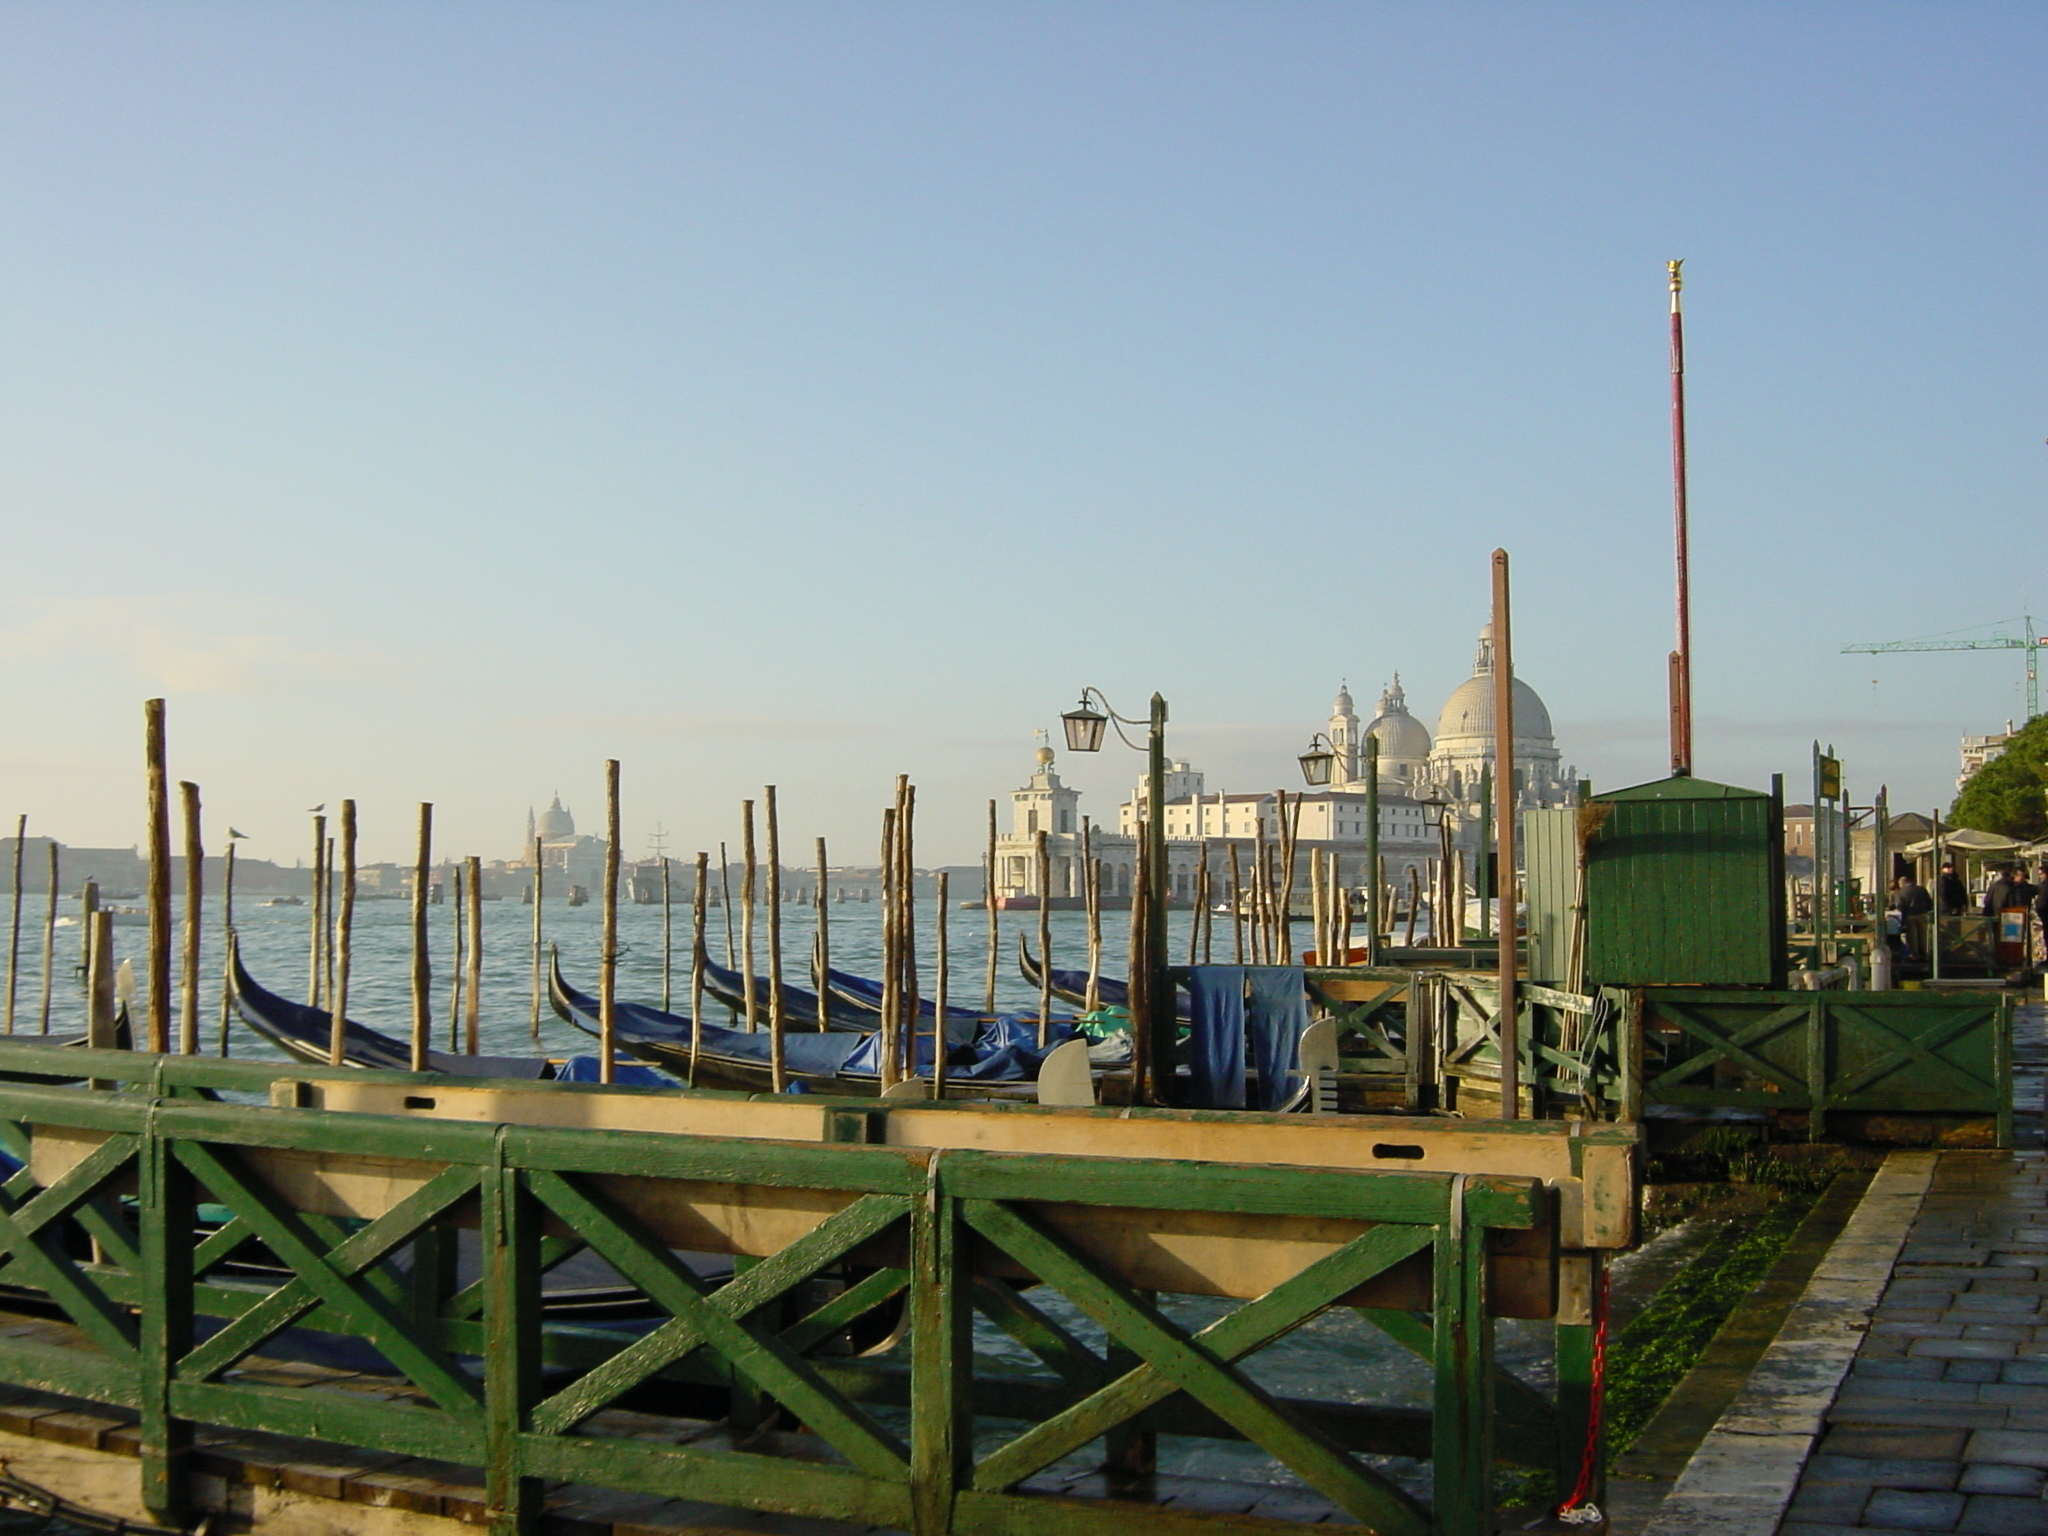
2007, 889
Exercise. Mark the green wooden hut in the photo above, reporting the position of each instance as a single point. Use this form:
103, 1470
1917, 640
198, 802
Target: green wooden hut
1685, 885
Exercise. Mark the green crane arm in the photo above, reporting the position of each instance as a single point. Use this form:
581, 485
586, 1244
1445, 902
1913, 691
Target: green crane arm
2030, 643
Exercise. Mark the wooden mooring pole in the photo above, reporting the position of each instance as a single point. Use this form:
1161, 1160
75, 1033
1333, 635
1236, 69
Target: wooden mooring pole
941, 988
1504, 816
472, 1021
457, 952
534, 1021
668, 936
227, 928
990, 910
699, 911
1042, 853
821, 948
422, 958
195, 914
344, 939
49, 945
159, 878
608, 971
316, 918
778, 1018
749, 873
14, 920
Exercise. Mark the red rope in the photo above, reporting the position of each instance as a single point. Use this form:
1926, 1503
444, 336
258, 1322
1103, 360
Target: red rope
1595, 1407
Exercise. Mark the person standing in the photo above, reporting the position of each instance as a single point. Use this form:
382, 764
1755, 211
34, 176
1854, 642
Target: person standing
1912, 903
1955, 899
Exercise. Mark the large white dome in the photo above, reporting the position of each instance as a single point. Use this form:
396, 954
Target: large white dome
1468, 713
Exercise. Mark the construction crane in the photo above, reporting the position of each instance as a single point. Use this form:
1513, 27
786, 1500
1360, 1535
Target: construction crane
1950, 640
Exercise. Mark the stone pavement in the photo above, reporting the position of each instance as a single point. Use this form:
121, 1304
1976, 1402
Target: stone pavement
1942, 1423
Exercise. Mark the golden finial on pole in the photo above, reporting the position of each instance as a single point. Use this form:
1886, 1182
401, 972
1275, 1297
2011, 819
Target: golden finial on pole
1677, 278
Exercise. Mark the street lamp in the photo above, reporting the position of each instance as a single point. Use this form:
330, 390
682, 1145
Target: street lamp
1153, 1025
1318, 761
1084, 727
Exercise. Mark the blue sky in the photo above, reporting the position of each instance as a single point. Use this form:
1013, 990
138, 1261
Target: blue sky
435, 400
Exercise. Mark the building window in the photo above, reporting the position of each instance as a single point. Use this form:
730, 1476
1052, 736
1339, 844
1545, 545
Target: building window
1030, 822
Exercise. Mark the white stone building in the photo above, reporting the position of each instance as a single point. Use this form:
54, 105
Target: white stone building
1422, 779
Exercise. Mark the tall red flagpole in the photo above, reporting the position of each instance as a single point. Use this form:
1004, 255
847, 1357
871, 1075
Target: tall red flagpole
1681, 659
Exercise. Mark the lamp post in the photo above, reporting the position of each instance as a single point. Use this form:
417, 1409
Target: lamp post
1316, 765
1152, 1013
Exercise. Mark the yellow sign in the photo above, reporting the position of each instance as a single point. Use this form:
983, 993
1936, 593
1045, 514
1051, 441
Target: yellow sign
1830, 779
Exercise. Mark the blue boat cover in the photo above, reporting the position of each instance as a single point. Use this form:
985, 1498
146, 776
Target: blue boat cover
1268, 1003
630, 1074
1216, 1036
1278, 999
1003, 1048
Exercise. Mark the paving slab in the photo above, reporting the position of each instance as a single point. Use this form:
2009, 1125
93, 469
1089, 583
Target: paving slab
1942, 1425
1748, 1468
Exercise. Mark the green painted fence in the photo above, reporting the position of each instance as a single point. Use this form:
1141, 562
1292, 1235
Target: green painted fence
1884, 1053
946, 1235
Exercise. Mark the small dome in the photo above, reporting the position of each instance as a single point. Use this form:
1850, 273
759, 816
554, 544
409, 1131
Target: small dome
555, 822
1469, 712
1400, 736
1399, 733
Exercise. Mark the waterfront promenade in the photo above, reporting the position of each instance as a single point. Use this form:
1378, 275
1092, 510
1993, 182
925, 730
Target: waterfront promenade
1908, 1389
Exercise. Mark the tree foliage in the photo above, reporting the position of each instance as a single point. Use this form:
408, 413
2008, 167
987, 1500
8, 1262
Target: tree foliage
2009, 794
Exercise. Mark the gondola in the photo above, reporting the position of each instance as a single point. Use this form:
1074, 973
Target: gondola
304, 1033
865, 993
1002, 1060
1072, 986
799, 1006
124, 1040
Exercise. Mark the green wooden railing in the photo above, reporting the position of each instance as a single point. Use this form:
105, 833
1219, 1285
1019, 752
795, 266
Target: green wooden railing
1830, 1053
944, 1236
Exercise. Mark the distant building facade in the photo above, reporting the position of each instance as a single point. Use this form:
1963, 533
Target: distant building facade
1423, 781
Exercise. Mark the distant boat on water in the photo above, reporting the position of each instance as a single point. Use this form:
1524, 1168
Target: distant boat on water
284, 901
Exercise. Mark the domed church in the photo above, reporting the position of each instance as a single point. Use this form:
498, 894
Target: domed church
1450, 766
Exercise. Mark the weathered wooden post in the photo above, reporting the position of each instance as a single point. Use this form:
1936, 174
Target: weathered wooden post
316, 917
49, 944
725, 906
195, 894
1093, 867
473, 1019
778, 1019
227, 929
698, 955
892, 974
941, 990
344, 939
608, 974
821, 951
1236, 909
668, 936
1504, 815
457, 954
1042, 856
906, 900
748, 875
422, 959
159, 878
989, 909
102, 1007
535, 1020
14, 920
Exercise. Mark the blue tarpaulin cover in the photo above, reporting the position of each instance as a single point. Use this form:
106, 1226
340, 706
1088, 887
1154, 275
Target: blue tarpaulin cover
1268, 1003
